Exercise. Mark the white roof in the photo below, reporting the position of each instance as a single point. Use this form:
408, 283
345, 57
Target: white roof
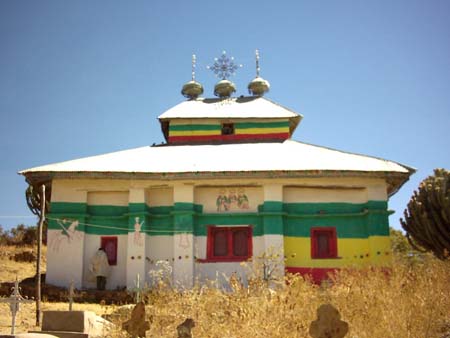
241, 107
288, 155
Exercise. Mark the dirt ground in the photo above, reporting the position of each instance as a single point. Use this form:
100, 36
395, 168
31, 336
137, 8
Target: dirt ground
26, 318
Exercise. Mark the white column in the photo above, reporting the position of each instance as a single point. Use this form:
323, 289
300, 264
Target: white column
183, 244
273, 225
136, 238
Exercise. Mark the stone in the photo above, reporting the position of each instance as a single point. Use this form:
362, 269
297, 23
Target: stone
74, 324
184, 329
328, 323
136, 326
28, 335
72, 321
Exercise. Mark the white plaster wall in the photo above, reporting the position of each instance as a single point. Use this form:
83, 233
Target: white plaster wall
324, 195
183, 192
220, 272
158, 248
183, 265
377, 192
64, 191
207, 196
273, 192
136, 195
156, 197
118, 198
65, 258
200, 247
117, 276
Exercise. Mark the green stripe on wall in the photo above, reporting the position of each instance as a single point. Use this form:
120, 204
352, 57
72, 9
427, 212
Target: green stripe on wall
202, 221
102, 224
346, 227
68, 208
294, 219
248, 125
194, 127
106, 210
332, 208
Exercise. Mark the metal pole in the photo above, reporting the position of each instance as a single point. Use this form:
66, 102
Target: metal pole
38, 265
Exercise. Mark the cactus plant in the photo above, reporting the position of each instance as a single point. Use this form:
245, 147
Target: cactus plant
427, 217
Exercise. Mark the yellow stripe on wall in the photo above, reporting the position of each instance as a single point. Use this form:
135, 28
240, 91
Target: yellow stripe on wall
253, 131
351, 252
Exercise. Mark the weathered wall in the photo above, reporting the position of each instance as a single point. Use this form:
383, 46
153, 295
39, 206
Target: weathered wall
168, 220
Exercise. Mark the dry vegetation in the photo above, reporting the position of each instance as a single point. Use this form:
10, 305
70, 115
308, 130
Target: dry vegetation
411, 301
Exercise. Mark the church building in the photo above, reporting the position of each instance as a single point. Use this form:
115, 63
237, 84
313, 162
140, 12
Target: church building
229, 185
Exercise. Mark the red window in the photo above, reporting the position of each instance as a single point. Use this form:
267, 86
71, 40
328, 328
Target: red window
323, 243
109, 244
229, 244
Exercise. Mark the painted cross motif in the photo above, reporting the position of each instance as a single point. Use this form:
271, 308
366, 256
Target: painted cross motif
224, 66
184, 241
138, 240
14, 303
68, 233
138, 290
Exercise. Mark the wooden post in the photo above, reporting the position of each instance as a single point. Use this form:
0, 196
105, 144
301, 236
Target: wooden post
38, 265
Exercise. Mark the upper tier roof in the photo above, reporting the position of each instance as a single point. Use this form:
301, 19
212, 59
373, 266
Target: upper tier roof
232, 108
273, 159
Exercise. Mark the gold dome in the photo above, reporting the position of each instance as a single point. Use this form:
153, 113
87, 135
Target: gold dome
192, 90
224, 88
258, 86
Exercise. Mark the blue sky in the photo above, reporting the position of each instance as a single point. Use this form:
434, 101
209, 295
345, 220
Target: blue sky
82, 78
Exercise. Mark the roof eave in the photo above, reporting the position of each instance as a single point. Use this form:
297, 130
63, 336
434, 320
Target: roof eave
395, 180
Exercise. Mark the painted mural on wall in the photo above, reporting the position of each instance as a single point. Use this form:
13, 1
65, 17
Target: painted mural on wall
68, 235
138, 238
232, 199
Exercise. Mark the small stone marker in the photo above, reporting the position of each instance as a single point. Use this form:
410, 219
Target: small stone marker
137, 325
328, 323
71, 294
184, 329
14, 303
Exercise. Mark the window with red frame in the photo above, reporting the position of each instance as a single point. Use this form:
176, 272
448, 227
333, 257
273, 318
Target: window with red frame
323, 243
109, 244
229, 244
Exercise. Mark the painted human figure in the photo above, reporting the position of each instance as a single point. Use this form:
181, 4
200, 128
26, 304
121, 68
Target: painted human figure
137, 232
242, 200
68, 233
222, 202
232, 199
99, 267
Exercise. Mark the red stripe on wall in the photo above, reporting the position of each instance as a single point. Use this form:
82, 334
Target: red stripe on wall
178, 139
317, 274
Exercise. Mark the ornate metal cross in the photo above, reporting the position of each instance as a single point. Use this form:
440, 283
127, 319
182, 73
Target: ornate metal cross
14, 303
137, 290
224, 66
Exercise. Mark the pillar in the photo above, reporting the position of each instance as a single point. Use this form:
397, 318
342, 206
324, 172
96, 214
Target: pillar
272, 214
136, 237
66, 236
183, 244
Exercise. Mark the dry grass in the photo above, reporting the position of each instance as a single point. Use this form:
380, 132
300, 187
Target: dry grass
9, 268
412, 301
